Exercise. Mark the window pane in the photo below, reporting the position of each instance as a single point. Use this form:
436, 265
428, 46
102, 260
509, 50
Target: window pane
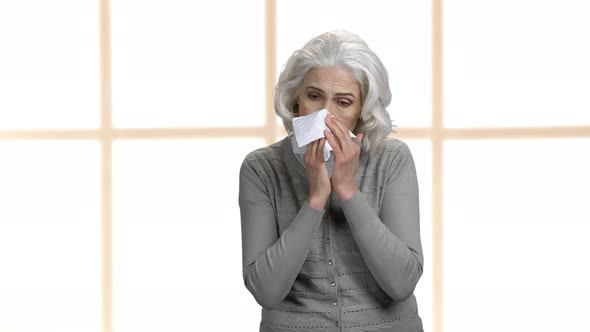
516, 228
399, 32
516, 63
49, 75
176, 236
188, 63
422, 153
50, 236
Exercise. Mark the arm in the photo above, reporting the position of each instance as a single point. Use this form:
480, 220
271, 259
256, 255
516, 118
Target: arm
271, 262
390, 242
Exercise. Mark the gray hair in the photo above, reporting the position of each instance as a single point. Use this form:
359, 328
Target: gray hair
346, 50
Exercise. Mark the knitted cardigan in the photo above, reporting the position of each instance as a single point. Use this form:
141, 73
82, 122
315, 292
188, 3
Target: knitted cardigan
351, 267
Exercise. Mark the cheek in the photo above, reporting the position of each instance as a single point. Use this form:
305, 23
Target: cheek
302, 106
350, 121
307, 107
346, 121
351, 116
351, 124
304, 109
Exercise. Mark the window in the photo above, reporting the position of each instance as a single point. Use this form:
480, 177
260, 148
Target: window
113, 136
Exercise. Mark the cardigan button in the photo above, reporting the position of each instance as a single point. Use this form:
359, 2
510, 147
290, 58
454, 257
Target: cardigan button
333, 284
335, 303
329, 262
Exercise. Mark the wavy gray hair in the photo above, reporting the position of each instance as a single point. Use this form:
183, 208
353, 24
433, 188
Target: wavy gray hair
346, 50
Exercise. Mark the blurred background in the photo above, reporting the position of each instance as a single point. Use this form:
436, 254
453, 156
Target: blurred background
123, 125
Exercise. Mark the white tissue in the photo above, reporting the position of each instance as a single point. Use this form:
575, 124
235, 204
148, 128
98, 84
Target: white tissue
311, 127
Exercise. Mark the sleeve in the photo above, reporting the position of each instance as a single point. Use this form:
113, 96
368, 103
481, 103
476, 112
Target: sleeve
390, 243
271, 261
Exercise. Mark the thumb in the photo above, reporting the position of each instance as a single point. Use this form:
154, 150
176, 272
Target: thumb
360, 137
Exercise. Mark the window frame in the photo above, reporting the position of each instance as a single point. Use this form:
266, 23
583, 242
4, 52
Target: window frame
436, 133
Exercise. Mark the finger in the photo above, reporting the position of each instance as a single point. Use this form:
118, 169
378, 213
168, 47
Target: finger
336, 149
332, 131
339, 131
312, 150
320, 151
308, 153
359, 139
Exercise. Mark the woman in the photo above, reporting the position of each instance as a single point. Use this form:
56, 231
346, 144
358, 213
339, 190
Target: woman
333, 245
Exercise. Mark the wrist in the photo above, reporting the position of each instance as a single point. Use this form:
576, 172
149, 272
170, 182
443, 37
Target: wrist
345, 193
317, 203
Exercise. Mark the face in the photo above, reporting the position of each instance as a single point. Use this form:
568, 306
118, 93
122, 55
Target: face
334, 89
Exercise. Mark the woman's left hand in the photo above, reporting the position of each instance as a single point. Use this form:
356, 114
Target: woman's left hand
346, 158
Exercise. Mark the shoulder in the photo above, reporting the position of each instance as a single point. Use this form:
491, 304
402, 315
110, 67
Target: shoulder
393, 147
266, 153
393, 156
262, 160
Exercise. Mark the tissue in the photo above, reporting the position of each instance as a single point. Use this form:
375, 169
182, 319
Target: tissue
311, 127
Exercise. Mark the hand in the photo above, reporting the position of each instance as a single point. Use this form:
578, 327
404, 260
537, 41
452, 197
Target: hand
346, 158
319, 180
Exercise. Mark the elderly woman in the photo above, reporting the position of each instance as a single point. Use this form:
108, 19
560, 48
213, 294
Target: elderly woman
333, 245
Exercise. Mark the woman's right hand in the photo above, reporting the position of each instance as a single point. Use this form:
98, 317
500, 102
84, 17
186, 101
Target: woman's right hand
319, 180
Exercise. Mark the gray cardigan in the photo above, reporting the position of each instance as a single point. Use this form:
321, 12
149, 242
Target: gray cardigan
353, 266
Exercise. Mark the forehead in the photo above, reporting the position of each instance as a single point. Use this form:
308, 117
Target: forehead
331, 79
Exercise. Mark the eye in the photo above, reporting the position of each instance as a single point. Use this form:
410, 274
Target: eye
344, 103
313, 96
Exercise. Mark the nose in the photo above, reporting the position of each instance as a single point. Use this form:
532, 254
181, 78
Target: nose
330, 106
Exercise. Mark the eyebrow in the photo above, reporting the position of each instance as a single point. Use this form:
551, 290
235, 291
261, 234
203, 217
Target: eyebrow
340, 94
